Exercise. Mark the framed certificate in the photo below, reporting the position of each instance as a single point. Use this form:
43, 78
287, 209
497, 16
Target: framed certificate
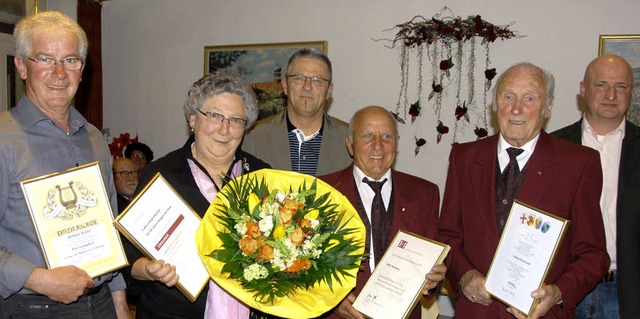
163, 226
73, 220
392, 291
526, 251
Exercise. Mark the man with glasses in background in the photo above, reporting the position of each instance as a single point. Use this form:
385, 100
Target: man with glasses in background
126, 177
303, 138
42, 135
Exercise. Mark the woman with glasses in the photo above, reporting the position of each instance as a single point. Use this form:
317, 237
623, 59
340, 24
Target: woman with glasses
219, 108
139, 153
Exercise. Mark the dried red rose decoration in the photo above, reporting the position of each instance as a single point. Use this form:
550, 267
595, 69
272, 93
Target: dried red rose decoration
489, 74
419, 143
445, 65
414, 111
442, 129
435, 88
461, 111
397, 117
480, 132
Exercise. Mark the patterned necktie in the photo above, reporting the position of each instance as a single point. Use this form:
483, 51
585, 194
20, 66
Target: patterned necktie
378, 212
511, 187
510, 174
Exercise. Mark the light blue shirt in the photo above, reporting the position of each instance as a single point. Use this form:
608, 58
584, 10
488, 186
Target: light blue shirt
32, 145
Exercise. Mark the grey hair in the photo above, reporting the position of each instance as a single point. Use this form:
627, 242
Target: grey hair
357, 114
47, 20
219, 82
547, 77
310, 53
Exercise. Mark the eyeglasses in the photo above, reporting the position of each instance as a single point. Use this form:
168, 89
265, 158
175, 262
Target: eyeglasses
127, 173
138, 156
218, 118
71, 64
300, 79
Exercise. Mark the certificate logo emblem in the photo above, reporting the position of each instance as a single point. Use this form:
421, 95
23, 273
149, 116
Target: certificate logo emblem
402, 244
67, 201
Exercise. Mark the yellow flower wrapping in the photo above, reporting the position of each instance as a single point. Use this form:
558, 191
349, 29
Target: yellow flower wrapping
304, 303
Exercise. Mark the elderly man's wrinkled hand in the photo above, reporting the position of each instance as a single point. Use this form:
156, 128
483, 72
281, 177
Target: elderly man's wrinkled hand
547, 297
434, 277
472, 284
345, 308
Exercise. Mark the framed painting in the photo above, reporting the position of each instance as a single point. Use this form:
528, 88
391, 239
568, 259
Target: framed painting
261, 65
628, 47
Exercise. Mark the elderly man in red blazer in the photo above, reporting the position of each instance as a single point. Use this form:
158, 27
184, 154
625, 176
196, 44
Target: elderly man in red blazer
411, 202
555, 176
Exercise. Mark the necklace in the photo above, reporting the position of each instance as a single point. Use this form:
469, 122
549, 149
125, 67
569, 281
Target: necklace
195, 156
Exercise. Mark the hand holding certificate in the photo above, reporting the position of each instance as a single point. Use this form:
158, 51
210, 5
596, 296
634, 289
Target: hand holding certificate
526, 251
392, 291
163, 226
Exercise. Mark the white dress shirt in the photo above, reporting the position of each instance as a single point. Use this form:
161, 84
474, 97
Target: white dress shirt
367, 194
609, 146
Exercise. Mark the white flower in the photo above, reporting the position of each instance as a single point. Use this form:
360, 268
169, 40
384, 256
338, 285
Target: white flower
255, 271
266, 225
280, 197
241, 228
309, 248
314, 223
268, 209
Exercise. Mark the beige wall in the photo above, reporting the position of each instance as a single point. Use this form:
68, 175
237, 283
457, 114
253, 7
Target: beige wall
153, 52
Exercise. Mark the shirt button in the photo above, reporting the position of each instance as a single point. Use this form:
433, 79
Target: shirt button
502, 223
304, 157
504, 201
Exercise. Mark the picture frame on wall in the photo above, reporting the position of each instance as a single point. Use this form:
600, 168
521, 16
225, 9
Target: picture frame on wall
628, 47
261, 65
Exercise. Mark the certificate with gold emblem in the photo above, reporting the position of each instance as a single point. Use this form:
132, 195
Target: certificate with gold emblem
394, 288
526, 251
73, 220
163, 226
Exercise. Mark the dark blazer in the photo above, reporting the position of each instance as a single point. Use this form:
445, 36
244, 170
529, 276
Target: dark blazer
416, 202
563, 179
123, 202
155, 300
627, 216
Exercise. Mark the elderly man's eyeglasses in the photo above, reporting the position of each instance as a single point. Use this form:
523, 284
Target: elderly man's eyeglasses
127, 173
300, 79
218, 118
72, 64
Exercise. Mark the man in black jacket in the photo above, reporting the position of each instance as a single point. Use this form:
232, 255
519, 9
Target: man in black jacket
606, 89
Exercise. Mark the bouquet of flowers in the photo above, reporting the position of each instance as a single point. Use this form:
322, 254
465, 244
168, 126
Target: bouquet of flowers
282, 242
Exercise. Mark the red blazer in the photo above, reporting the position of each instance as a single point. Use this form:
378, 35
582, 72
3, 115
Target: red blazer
416, 202
562, 178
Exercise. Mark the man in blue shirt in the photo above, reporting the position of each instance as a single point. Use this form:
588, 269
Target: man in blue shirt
41, 135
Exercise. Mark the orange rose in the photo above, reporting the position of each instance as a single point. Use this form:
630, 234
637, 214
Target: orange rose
297, 236
248, 245
306, 225
253, 230
299, 265
287, 210
266, 253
